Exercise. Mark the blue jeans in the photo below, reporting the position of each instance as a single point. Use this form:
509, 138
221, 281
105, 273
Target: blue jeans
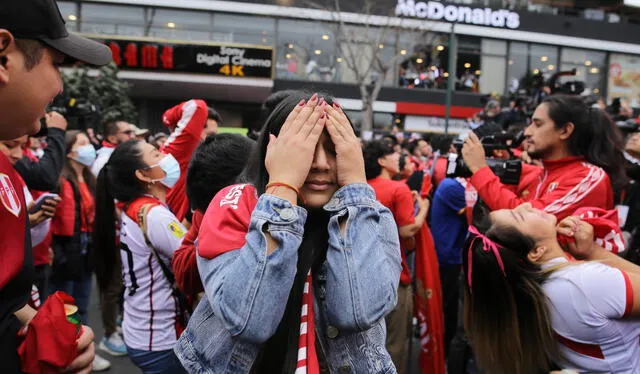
79, 289
162, 362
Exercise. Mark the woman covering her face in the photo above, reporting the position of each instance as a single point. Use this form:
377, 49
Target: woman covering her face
301, 264
528, 306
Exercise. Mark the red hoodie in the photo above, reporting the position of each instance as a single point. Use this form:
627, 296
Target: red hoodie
186, 122
564, 186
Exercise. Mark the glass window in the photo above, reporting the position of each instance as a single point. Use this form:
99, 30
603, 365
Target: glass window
468, 68
543, 59
425, 64
230, 28
179, 24
113, 19
517, 69
307, 51
590, 68
69, 11
624, 78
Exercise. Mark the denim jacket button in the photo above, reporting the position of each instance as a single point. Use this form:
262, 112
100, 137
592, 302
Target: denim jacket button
287, 214
345, 369
332, 332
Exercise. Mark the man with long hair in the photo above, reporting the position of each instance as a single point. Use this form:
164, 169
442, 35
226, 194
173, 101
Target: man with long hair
581, 153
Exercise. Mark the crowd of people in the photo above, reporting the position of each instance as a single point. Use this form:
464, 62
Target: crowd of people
308, 250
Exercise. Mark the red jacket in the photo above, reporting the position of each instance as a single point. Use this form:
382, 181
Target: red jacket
63, 223
564, 186
185, 266
186, 122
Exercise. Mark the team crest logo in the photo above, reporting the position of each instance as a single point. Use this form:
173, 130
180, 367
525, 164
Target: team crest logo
552, 187
8, 195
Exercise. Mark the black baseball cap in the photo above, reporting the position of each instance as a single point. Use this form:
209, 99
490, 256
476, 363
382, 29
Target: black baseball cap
41, 20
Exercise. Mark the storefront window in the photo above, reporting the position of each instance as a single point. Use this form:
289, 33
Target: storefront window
228, 28
543, 59
425, 64
307, 51
624, 78
517, 69
590, 68
179, 25
468, 69
69, 11
113, 19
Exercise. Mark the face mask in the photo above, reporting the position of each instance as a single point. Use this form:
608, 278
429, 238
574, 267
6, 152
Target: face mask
86, 155
171, 169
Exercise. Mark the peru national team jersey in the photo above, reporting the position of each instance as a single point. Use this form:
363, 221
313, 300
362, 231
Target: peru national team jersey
589, 306
150, 311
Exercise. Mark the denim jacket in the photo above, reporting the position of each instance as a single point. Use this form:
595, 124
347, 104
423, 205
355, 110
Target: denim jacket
247, 290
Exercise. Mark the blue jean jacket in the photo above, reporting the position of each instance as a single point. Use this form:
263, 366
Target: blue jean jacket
247, 290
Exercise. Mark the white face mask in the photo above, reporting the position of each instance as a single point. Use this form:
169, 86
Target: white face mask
171, 169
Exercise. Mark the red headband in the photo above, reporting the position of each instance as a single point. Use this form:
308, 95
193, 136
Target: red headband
488, 245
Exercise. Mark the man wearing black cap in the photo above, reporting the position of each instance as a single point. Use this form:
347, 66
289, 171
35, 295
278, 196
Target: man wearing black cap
33, 42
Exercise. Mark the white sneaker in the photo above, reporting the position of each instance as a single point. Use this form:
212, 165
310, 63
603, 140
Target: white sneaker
100, 364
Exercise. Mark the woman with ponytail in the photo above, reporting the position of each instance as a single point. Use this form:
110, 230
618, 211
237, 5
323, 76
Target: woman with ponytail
301, 265
138, 177
528, 307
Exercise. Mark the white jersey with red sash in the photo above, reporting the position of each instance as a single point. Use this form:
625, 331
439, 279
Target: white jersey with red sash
224, 228
150, 311
590, 304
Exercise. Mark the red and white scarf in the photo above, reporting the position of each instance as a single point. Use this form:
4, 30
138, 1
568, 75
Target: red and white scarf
307, 357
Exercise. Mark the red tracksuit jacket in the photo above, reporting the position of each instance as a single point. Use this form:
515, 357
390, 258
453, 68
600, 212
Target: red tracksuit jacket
564, 186
186, 121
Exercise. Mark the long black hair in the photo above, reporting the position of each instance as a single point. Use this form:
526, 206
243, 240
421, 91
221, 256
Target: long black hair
117, 181
279, 353
506, 314
595, 136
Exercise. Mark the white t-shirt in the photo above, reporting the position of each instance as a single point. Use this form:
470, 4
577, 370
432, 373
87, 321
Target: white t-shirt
150, 309
589, 303
102, 157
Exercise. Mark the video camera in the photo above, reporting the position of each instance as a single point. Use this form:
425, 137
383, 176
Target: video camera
79, 112
509, 171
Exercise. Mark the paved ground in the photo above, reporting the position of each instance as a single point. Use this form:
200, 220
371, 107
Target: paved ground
122, 365
119, 365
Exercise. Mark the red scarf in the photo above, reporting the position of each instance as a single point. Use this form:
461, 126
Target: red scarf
106, 144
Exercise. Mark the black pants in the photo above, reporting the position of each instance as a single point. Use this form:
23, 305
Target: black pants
460, 350
449, 275
9, 359
42, 275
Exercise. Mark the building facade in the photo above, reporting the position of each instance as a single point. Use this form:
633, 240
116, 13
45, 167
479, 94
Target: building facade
235, 53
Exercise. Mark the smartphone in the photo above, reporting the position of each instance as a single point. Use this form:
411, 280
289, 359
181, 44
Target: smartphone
41, 201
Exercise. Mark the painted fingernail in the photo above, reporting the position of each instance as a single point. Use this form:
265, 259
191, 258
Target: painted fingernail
336, 105
322, 100
302, 102
314, 97
323, 115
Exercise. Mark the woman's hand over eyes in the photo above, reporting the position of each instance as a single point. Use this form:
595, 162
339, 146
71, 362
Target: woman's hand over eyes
290, 154
349, 158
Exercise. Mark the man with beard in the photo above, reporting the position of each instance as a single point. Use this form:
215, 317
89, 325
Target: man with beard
581, 154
